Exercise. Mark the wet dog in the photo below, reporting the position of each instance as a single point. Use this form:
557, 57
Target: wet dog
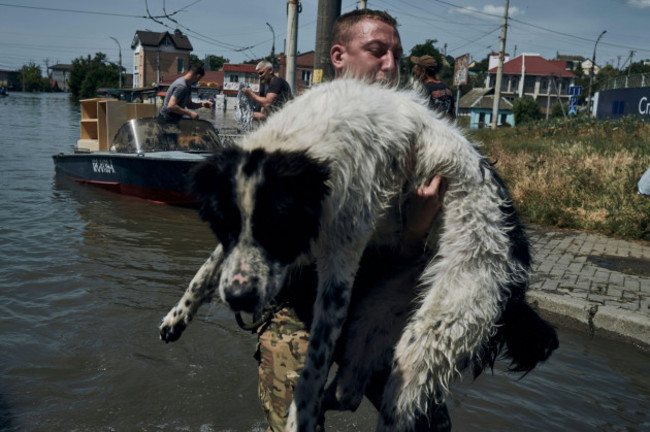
323, 180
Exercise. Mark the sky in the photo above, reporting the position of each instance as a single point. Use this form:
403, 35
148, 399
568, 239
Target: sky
47, 32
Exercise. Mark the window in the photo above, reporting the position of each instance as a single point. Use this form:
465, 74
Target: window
136, 62
234, 78
514, 85
543, 88
180, 65
306, 77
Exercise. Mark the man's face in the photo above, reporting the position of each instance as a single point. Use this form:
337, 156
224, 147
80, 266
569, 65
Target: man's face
373, 51
194, 79
418, 72
265, 75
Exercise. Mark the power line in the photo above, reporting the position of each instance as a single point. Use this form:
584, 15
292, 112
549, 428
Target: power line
75, 11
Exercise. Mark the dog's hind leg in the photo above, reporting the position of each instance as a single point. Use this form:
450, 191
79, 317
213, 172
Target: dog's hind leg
200, 291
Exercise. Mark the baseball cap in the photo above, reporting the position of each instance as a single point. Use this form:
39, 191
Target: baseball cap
425, 61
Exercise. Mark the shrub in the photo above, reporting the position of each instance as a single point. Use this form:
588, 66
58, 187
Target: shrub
526, 109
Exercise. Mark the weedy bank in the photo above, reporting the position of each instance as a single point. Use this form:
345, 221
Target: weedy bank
576, 173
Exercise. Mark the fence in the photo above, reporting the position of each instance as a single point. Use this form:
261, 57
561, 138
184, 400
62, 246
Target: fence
624, 81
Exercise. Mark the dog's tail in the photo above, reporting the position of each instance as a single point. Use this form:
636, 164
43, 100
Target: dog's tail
522, 338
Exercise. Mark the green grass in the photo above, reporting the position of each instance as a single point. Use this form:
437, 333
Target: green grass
576, 173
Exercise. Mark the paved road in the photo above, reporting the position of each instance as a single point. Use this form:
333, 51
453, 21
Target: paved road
592, 282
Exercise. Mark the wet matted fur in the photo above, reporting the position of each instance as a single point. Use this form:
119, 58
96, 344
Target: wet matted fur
323, 180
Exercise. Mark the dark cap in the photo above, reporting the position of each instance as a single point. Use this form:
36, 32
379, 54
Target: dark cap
425, 62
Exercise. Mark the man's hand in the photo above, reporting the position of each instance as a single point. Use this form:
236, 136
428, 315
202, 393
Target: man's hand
193, 115
423, 208
247, 91
206, 104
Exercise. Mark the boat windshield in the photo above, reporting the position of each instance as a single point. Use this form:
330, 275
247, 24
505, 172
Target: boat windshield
144, 135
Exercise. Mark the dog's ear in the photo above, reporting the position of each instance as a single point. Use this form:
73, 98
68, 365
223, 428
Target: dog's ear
215, 172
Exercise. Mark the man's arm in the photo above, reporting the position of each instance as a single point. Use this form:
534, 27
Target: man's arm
264, 101
421, 211
174, 107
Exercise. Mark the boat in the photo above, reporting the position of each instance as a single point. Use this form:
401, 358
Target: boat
148, 158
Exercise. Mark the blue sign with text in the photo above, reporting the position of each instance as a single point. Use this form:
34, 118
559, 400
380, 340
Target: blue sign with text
574, 90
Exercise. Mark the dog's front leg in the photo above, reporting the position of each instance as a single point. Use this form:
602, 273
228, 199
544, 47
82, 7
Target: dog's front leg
330, 311
200, 290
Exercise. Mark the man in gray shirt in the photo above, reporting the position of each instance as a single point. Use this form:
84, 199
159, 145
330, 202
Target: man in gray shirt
179, 96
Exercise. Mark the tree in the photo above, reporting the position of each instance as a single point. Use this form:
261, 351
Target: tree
88, 74
482, 66
603, 76
639, 67
31, 79
526, 109
214, 62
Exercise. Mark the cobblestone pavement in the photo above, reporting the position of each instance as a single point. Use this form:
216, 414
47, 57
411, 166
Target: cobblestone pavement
596, 283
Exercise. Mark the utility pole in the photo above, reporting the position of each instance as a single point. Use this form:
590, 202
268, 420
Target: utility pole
120, 73
629, 67
591, 73
362, 4
497, 84
292, 42
328, 11
272, 46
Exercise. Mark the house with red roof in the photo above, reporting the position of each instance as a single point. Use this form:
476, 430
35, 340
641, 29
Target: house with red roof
531, 75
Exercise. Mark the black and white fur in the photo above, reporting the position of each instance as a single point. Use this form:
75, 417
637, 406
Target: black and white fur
322, 180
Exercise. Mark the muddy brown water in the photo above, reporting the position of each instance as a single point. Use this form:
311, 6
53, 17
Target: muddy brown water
86, 275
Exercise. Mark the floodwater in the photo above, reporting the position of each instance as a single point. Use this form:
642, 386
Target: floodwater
86, 275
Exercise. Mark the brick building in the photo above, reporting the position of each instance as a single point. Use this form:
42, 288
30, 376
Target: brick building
157, 55
304, 70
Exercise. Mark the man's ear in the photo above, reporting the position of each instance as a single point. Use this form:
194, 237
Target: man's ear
337, 54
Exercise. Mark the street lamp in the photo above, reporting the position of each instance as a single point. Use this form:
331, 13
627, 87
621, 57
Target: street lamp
591, 72
120, 48
272, 46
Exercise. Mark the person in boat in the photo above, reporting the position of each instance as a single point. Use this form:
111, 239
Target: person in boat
178, 101
277, 92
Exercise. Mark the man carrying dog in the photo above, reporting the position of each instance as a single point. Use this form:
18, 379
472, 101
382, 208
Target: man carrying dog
366, 44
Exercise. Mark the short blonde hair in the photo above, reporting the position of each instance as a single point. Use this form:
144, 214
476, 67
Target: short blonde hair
341, 30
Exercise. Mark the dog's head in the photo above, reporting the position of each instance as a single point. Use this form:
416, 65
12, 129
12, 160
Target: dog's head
265, 209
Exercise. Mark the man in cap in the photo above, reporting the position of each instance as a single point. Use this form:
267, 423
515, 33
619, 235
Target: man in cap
441, 97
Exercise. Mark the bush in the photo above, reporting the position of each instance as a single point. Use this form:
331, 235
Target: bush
526, 109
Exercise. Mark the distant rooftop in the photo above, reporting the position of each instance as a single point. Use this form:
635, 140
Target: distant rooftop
155, 39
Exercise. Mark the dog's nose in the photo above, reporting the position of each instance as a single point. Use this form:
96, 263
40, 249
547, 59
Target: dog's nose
242, 299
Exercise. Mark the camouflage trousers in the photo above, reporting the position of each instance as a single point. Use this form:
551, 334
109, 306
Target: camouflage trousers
281, 352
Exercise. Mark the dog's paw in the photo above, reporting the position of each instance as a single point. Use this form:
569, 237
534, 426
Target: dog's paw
174, 323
